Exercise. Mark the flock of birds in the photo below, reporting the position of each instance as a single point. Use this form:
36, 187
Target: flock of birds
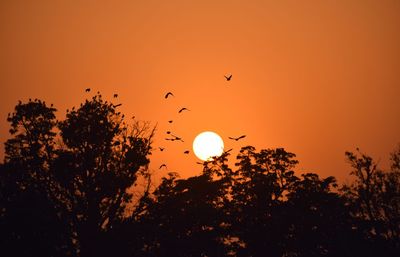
173, 137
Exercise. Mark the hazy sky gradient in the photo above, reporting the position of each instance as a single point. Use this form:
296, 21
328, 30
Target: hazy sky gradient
315, 77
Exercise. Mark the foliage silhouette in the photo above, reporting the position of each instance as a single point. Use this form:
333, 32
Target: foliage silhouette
374, 198
86, 178
67, 188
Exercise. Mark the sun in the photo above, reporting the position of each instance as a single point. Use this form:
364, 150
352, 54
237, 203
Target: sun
207, 145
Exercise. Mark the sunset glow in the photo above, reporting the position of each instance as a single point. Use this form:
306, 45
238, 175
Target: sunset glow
207, 145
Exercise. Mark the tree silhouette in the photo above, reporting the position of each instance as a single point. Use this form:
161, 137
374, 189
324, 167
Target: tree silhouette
31, 224
183, 218
67, 188
375, 200
86, 178
100, 162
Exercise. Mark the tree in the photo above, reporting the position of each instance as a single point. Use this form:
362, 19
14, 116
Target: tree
374, 198
30, 221
86, 179
317, 220
183, 219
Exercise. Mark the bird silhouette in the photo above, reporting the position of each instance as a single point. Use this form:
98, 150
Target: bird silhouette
87, 90
161, 149
177, 137
183, 109
168, 94
186, 152
228, 78
170, 121
227, 151
163, 165
115, 95
168, 132
237, 138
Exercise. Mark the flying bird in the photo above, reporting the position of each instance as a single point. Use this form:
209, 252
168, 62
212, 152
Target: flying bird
87, 90
115, 95
170, 121
177, 138
228, 78
168, 132
237, 138
163, 165
168, 94
161, 149
227, 151
186, 152
183, 109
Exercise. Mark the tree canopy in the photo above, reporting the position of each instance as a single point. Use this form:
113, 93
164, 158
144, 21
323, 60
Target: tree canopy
67, 189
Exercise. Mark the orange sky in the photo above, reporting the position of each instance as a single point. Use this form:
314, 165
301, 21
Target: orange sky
315, 77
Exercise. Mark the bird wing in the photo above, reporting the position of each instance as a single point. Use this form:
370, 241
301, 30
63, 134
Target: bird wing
242, 137
232, 138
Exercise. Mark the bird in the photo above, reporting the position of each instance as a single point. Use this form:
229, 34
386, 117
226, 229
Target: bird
179, 139
115, 95
186, 152
183, 109
227, 151
237, 138
161, 149
168, 94
228, 78
168, 132
170, 121
163, 165
87, 90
